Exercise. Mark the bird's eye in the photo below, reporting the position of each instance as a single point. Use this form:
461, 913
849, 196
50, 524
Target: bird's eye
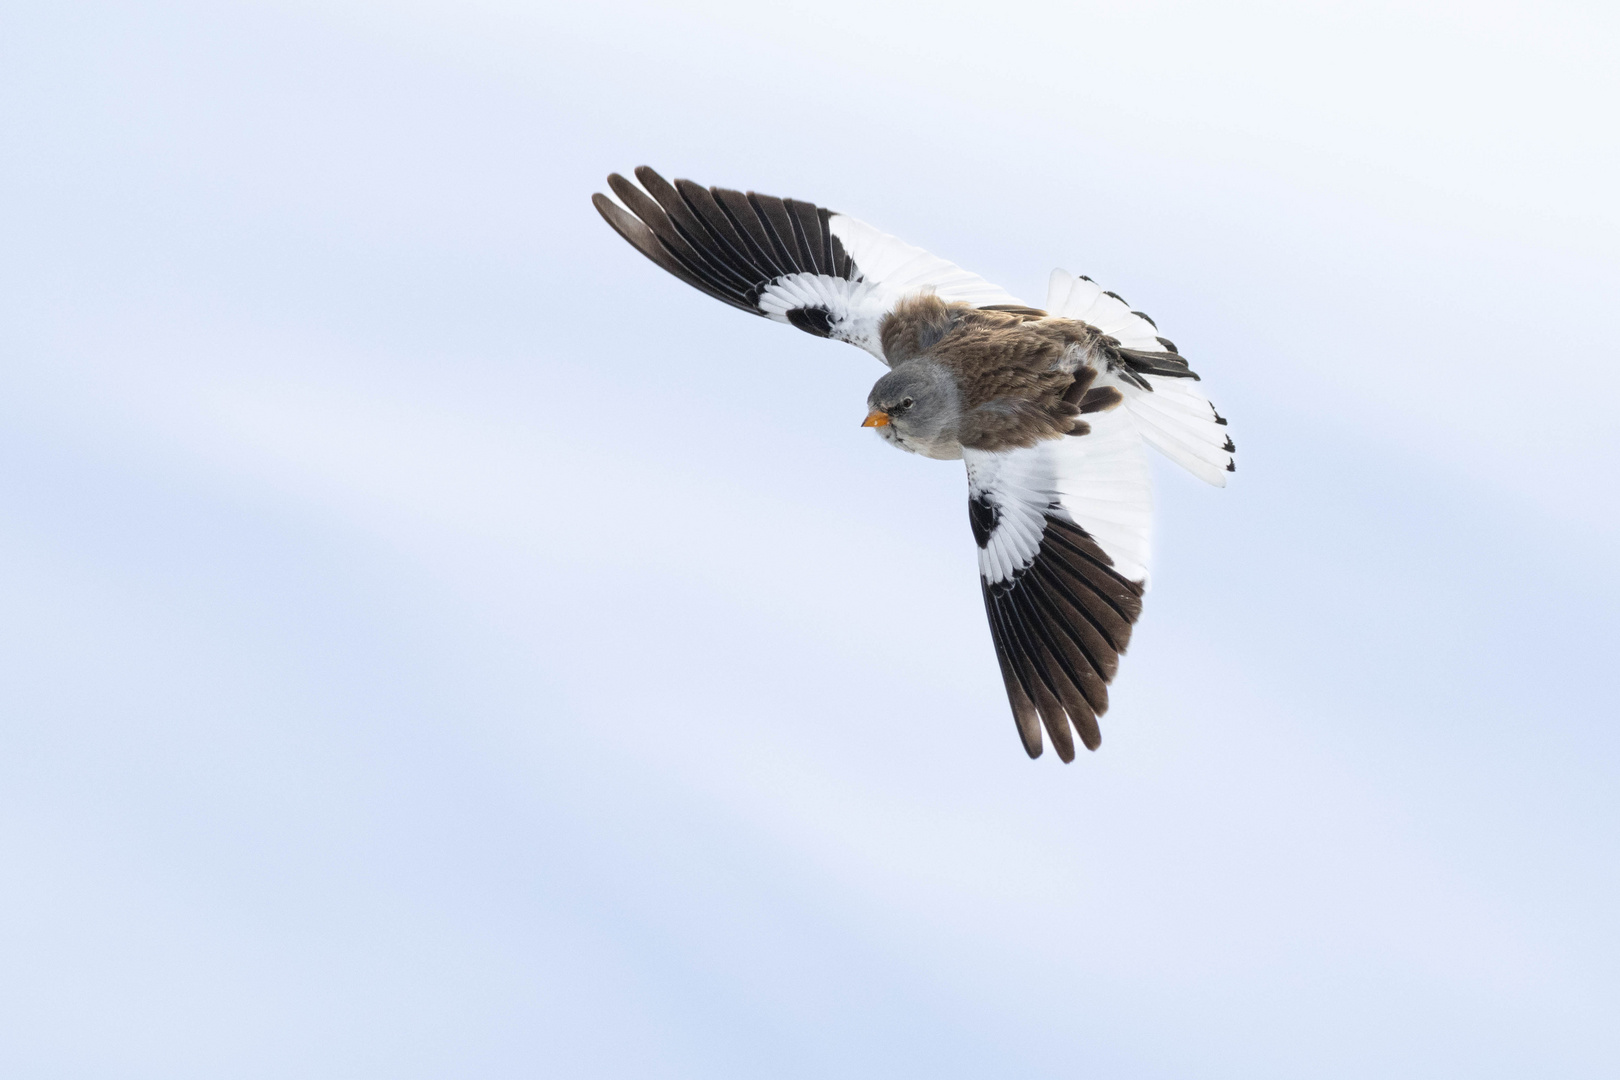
906, 403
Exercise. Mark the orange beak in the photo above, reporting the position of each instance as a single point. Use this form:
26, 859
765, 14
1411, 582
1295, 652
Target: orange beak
876, 418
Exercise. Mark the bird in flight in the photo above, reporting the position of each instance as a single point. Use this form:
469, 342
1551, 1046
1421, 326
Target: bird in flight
1048, 408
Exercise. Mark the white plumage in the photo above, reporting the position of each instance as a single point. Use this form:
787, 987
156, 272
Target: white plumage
1100, 481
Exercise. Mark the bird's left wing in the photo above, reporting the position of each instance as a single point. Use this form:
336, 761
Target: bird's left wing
1063, 533
823, 272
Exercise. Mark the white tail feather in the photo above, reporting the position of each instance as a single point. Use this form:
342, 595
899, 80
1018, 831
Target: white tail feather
1174, 416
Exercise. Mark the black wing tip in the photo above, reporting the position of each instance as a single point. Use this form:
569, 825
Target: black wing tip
640, 234
728, 244
620, 184
623, 222
1059, 627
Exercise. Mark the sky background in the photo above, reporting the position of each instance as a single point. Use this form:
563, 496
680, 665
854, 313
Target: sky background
436, 643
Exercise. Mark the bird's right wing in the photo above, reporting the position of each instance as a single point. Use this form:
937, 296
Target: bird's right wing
1063, 532
823, 272
1063, 526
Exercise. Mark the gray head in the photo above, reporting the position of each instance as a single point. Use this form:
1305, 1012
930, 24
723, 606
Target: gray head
917, 407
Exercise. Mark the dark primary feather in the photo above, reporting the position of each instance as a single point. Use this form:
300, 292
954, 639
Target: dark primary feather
643, 240
1059, 628
715, 277
729, 244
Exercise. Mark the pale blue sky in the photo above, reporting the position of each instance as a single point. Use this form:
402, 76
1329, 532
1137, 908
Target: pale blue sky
436, 643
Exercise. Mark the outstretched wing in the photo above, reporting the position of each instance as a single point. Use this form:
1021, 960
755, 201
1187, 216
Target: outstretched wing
1158, 386
824, 272
1063, 527
1063, 532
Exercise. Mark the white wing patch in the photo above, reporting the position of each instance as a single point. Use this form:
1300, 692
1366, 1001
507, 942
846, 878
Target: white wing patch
900, 269
1098, 481
855, 309
889, 271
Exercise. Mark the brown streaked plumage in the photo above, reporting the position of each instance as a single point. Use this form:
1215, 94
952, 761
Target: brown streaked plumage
1017, 371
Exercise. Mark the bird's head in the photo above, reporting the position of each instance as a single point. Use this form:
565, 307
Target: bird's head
917, 407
